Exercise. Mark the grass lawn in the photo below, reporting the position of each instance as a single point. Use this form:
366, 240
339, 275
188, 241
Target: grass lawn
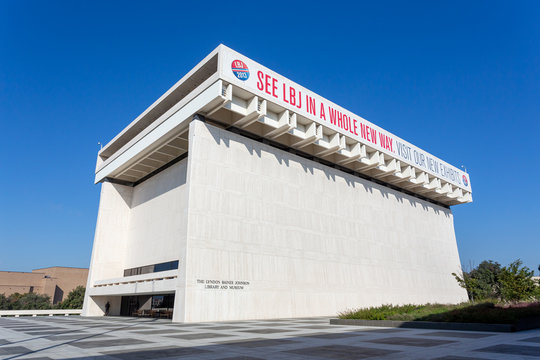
487, 312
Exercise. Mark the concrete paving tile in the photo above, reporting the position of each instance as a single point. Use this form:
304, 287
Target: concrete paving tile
332, 335
451, 357
68, 321
535, 339
13, 350
512, 349
158, 353
91, 326
383, 331
260, 342
74, 337
311, 321
180, 325
315, 327
410, 341
22, 327
266, 331
51, 332
115, 327
158, 332
457, 334
37, 328
225, 327
132, 327
342, 352
198, 336
96, 344
243, 323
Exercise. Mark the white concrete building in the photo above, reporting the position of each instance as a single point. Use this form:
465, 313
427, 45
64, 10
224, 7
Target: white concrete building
239, 194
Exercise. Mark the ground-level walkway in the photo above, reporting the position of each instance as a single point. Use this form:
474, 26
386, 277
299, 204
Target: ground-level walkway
139, 338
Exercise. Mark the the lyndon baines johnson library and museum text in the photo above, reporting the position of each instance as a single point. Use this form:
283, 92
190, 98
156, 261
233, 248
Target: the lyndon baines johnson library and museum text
240, 194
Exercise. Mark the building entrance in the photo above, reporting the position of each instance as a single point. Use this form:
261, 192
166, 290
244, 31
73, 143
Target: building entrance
158, 306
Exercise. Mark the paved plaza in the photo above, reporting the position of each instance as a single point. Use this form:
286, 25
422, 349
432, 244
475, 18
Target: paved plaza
139, 338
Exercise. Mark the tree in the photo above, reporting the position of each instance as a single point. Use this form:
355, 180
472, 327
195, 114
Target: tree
74, 299
469, 284
516, 282
28, 301
481, 282
4, 304
487, 275
491, 281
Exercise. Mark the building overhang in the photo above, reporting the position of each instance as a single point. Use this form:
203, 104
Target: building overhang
273, 108
163, 282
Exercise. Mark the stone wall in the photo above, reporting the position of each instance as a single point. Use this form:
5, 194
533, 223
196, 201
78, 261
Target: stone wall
297, 238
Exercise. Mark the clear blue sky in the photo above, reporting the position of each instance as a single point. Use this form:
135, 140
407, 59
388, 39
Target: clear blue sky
459, 79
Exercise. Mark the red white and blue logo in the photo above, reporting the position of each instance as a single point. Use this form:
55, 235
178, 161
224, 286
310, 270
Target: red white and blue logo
465, 181
240, 70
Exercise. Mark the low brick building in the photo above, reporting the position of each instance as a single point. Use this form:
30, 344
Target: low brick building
55, 281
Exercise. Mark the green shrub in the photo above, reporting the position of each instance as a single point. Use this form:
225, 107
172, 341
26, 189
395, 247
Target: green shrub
487, 312
74, 300
392, 312
28, 301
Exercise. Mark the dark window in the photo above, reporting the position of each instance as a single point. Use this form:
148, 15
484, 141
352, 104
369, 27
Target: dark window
147, 269
170, 265
58, 295
162, 301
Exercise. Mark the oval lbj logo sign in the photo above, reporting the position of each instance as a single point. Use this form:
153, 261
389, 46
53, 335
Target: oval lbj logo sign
240, 70
465, 181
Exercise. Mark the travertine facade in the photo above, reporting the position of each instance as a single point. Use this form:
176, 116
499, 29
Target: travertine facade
243, 209
309, 239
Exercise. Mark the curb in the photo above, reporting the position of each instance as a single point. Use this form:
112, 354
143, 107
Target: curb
525, 324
